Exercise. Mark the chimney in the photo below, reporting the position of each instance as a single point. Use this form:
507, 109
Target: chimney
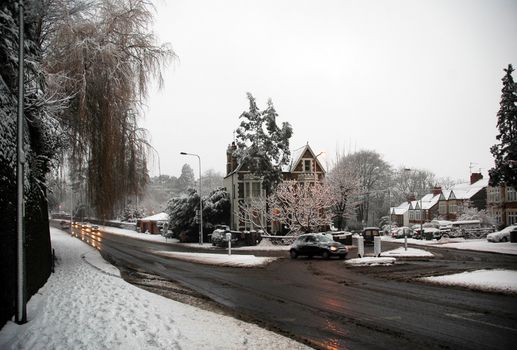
475, 177
411, 197
231, 161
437, 190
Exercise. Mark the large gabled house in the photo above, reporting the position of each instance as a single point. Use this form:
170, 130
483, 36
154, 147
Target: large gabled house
244, 186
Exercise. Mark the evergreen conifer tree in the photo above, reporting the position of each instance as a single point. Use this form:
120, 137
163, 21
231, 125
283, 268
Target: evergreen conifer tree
263, 146
505, 153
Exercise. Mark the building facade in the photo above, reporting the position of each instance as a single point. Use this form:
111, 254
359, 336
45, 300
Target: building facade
244, 187
502, 205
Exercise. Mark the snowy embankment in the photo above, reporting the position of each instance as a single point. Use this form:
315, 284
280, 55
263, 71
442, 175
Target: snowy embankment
481, 245
81, 307
486, 280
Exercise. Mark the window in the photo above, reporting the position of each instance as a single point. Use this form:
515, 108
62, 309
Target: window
418, 215
252, 189
411, 215
453, 207
307, 166
496, 215
442, 207
247, 190
511, 194
255, 191
493, 195
511, 217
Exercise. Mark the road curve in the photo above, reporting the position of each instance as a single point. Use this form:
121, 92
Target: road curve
330, 306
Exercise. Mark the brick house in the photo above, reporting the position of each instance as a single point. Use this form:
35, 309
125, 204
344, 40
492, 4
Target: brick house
502, 204
243, 186
453, 201
408, 213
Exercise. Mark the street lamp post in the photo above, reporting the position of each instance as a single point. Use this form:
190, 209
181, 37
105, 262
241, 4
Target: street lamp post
200, 198
21, 299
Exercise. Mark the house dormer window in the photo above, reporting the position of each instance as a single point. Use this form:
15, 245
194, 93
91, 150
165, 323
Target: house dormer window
307, 165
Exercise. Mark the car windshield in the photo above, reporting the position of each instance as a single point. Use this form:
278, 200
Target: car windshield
324, 239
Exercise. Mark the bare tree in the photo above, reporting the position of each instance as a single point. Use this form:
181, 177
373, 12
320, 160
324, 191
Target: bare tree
303, 208
254, 213
408, 182
102, 55
373, 174
346, 187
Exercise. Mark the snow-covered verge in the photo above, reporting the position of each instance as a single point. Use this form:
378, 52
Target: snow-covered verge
486, 280
459, 243
370, 261
409, 253
81, 307
219, 259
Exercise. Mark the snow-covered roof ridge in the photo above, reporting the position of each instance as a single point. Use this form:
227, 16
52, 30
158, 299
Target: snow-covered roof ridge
467, 190
157, 217
296, 157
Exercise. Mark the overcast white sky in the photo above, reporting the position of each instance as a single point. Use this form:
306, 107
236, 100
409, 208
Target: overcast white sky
417, 81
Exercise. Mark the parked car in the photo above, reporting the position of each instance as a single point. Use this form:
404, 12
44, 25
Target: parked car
503, 235
218, 236
402, 232
317, 244
369, 233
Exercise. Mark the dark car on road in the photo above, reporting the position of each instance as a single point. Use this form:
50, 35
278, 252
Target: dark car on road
317, 244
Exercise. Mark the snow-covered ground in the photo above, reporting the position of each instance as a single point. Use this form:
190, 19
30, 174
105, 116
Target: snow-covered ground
82, 307
389, 257
459, 243
487, 280
409, 253
370, 261
218, 259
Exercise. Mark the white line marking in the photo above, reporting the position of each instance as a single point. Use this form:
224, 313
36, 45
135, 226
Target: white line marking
464, 317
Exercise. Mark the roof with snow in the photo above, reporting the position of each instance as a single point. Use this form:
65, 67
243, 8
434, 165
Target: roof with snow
401, 209
296, 158
465, 190
157, 217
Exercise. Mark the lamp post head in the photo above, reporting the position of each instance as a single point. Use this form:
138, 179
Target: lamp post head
183, 153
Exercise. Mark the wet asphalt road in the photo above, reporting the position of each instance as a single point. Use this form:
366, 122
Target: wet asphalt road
329, 306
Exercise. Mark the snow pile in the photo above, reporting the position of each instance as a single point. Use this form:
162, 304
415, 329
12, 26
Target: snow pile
481, 245
488, 280
266, 245
370, 261
81, 307
219, 259
409, 253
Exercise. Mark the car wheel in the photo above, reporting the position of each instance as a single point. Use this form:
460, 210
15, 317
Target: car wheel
504, 239
294, 254
326, 254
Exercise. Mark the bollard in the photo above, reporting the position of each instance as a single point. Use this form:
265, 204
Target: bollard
229, 238
360, 247
377, 246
